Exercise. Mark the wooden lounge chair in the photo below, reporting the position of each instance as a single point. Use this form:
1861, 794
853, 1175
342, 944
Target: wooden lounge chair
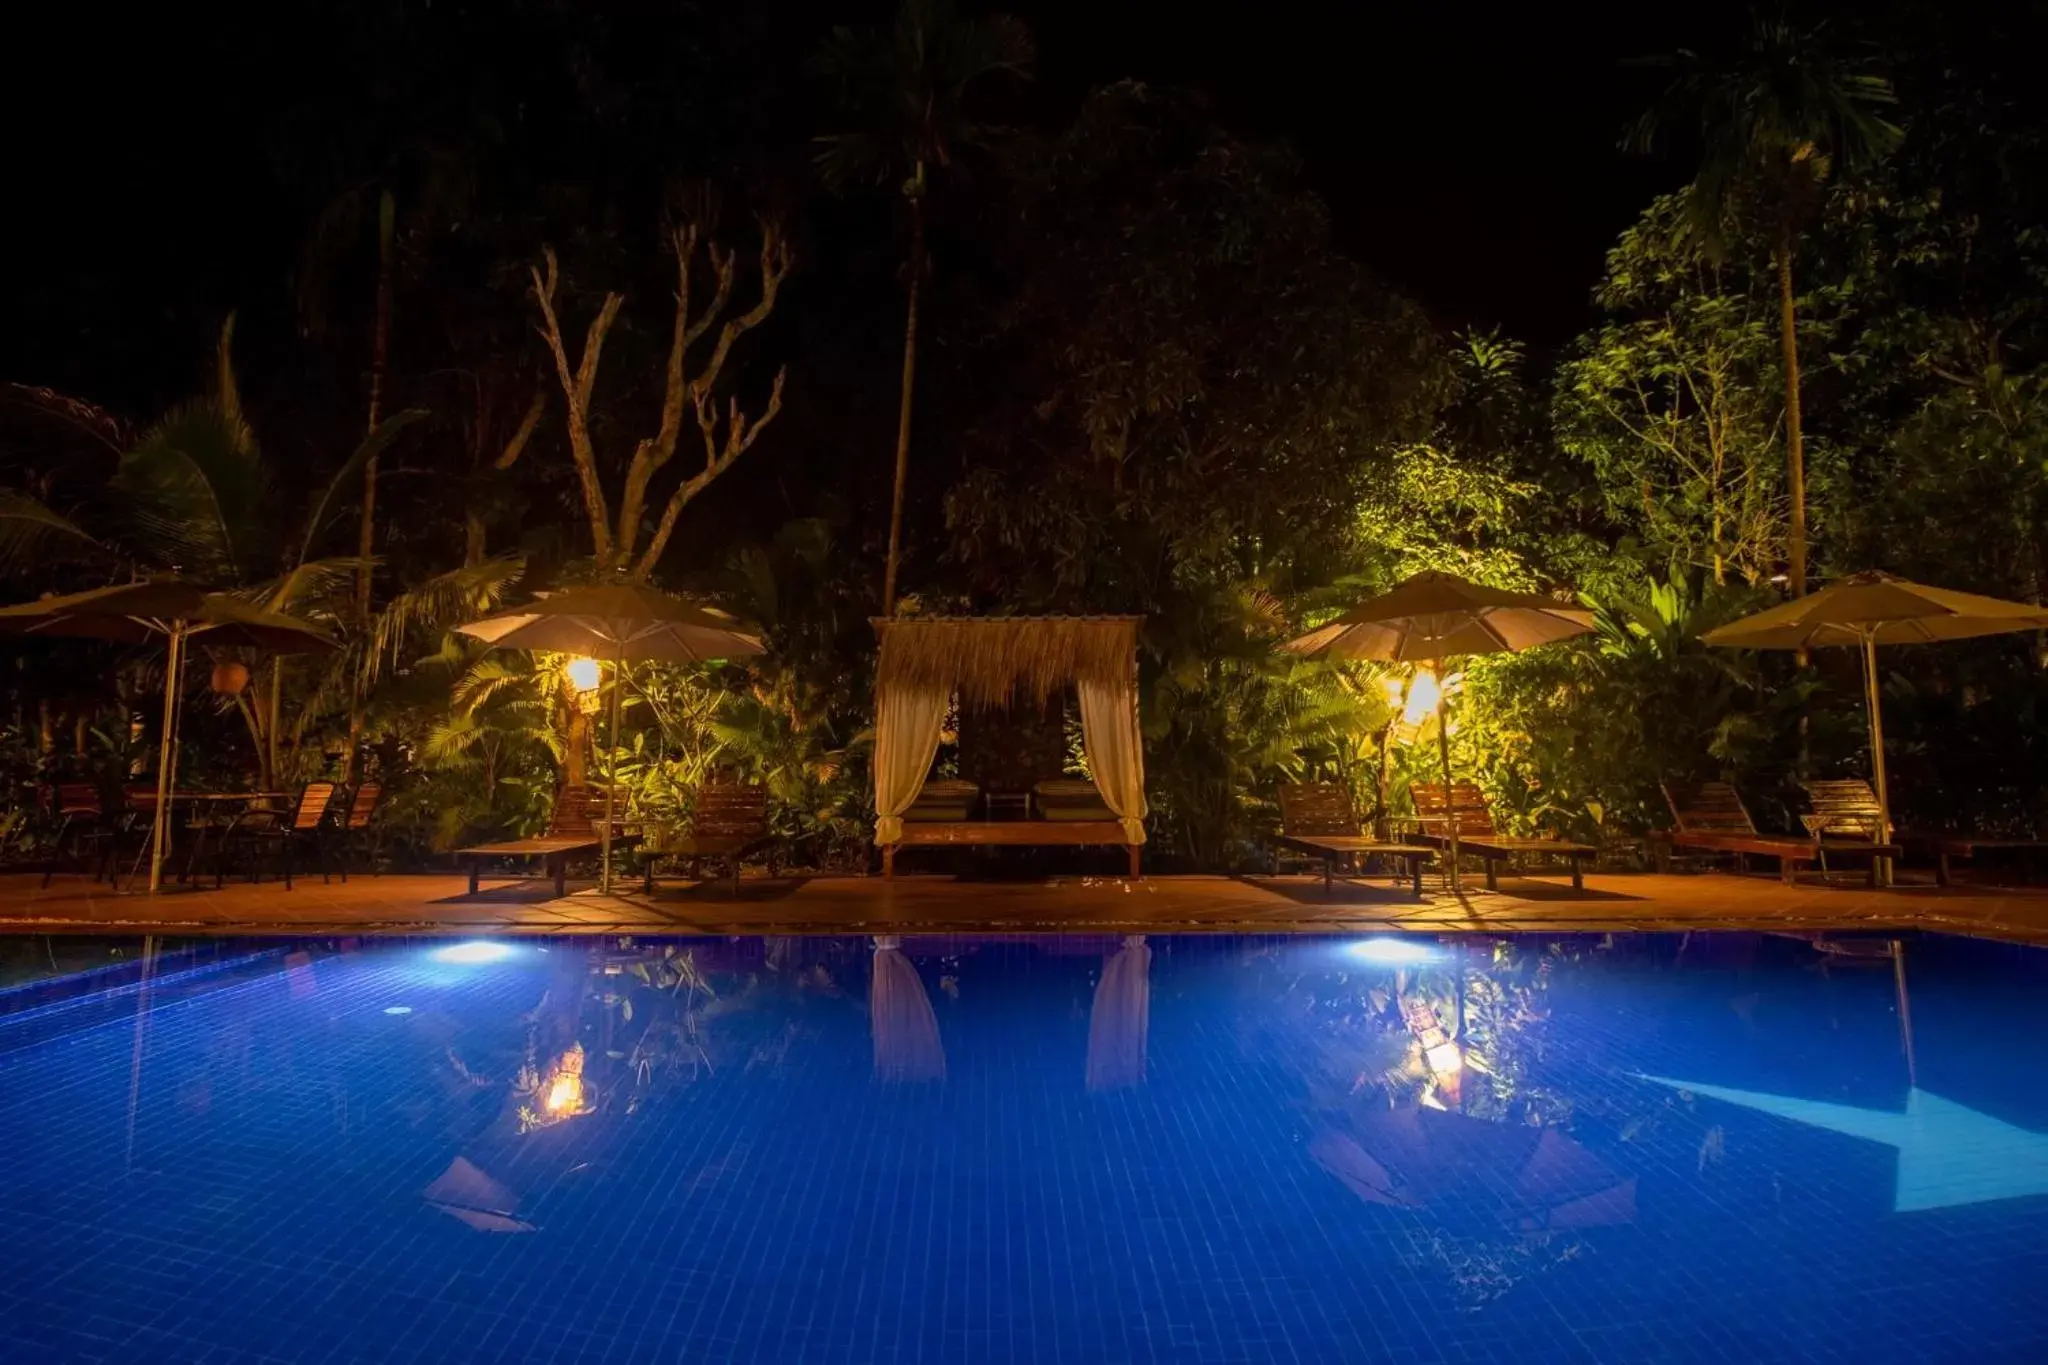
354, 825
1317, 819
85, 827
572, 830
1849, 807
1710, 817
728, 821
262, 829
1436, 808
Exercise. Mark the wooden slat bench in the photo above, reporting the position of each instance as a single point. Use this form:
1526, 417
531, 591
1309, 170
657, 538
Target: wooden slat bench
1709, 817
728, 821
1012, 834
1316, 818
1436, 808
573, 829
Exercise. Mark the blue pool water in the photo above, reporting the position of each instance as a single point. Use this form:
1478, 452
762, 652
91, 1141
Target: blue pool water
1053, 1149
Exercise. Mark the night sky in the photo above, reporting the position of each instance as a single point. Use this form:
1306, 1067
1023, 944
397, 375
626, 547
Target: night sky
1470, 156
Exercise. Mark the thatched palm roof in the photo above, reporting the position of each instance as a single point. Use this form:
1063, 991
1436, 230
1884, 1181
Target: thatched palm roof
995, 660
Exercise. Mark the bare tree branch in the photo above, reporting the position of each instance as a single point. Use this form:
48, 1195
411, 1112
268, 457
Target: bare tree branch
774, 267
577, 383
740, 436
726, 437
527, 425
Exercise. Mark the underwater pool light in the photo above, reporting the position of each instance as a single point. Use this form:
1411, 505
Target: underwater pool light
1391, 950
473, 953
398, 1009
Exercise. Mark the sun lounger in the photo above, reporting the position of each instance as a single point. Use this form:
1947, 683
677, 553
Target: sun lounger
1316, 818
1436, 809
1849, 807
729, 821
573, 829
1710, 817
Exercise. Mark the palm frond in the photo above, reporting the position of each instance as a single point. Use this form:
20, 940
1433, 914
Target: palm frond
347, 480
195, 489
31, 531
309, 587
88, 418
443, 600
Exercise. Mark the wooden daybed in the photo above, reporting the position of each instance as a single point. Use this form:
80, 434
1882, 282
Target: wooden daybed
989, 662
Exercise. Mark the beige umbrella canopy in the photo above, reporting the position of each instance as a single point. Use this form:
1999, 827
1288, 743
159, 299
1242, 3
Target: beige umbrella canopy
623, 621
1866, 610
1432, 616
620, 621
176, 611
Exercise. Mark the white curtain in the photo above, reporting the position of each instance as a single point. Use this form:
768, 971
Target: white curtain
1116, 752
1121, 1017
907, 726
900, 1018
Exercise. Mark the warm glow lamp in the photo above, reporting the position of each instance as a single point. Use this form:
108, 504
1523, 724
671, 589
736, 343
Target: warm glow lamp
584, 674
1423, 695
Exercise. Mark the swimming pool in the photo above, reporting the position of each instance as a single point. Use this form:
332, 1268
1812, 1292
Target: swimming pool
1302, 1149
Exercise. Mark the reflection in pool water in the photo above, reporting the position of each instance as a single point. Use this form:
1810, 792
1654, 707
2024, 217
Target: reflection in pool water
1035, 1149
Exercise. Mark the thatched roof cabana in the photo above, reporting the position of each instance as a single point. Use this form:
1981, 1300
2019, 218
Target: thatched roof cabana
996, 660
992, 662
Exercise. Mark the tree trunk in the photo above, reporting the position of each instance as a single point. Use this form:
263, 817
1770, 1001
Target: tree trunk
380, 351
575, 753
903, 404
270, 768
1795, 446
473, 545
366, 535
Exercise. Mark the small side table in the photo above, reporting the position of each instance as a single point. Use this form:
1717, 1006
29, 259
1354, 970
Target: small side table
999, 805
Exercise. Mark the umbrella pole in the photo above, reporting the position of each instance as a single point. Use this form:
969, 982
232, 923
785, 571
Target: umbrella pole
1884, 803
611, 768
1443, 748
160, 825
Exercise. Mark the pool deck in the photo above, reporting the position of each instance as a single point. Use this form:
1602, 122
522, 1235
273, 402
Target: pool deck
439, 904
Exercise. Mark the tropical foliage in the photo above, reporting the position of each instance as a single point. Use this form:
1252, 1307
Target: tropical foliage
618, 323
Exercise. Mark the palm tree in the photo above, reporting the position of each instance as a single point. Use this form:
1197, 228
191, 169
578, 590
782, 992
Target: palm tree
1793, 108
192, 495
908, 95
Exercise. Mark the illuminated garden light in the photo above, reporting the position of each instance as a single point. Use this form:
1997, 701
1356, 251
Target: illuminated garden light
1423, 694
584, 674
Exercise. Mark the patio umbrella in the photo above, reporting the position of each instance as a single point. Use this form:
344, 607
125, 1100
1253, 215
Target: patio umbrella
1432, 616
1532, 1179
1869, 609
177, 611
620, 621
